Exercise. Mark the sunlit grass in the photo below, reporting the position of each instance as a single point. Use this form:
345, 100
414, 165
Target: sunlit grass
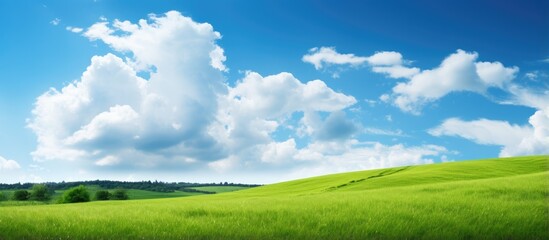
432, 201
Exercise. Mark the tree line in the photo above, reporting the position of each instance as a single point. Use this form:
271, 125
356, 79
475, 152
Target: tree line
156, 186
41, 192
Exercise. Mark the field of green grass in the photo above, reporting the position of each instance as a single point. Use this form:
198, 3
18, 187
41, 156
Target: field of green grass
486, 199
220, 189
132, 194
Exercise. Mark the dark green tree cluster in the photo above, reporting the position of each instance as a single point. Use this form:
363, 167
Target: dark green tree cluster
118, 194
40, 192
157, 186
76, 195
21, 195
102, 195
3, 196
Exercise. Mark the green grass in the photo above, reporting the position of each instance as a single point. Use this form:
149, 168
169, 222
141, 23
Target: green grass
220, 189
142, 194
489, 199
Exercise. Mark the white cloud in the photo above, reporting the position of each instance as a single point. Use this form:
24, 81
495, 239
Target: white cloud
323, 56
515, 140
7, 164
186, 116
111, 113
396, 71
531, 75
74, 29
55, 21
377, 131
217, 58
184, 113
279, 152
255, 108
494, 74
387, 62
458, 72
389, 58
534, 98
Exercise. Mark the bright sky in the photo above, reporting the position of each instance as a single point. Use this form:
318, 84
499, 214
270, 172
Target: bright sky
265, 91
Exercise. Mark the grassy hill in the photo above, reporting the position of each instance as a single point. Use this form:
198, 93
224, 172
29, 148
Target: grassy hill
486, 199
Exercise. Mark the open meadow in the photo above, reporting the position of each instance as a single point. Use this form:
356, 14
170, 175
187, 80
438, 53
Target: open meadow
486, 199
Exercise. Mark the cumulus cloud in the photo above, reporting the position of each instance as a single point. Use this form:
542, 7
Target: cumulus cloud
387, 62
515, 140
185, 116
111, 116
534, 98
324, 56
74, 29
55, 21
458, 72
256, 106
7, 164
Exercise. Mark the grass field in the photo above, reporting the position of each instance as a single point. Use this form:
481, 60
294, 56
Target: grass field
487, 199
132, 194
220, 189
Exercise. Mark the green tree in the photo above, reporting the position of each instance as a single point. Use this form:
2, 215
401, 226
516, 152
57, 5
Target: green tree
3, 196
102, 195
76, 194
40, 192
120, 194
21, 195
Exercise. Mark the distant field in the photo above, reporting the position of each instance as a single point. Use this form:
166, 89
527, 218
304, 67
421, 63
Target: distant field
134, 194
142, 194
220, 189
487, 199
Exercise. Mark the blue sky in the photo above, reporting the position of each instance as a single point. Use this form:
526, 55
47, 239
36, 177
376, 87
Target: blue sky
264, 91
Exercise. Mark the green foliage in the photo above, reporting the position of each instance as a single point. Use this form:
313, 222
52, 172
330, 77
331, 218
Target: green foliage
75, 195
3, 196
40, 192
102, 195
494, 199
119, 194
21, 195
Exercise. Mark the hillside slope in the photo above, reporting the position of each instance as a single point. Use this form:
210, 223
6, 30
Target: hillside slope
410, 175
488, 199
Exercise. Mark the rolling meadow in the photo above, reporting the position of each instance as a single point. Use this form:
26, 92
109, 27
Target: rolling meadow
484, 199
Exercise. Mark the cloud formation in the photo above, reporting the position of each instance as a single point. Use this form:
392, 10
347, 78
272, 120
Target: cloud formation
186, 116
7, 164
111, 116
325, 56
458, 72
532, 139
386, 62
74, 29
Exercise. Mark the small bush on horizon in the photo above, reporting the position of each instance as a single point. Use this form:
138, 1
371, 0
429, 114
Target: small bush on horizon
40, 192
119, 194
3, 196
21, 195
102, 195
75, 195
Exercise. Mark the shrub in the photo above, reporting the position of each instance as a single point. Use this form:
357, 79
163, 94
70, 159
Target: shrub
76, 194
3, 196
102, 195
120, 194
21, 195
40, 192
